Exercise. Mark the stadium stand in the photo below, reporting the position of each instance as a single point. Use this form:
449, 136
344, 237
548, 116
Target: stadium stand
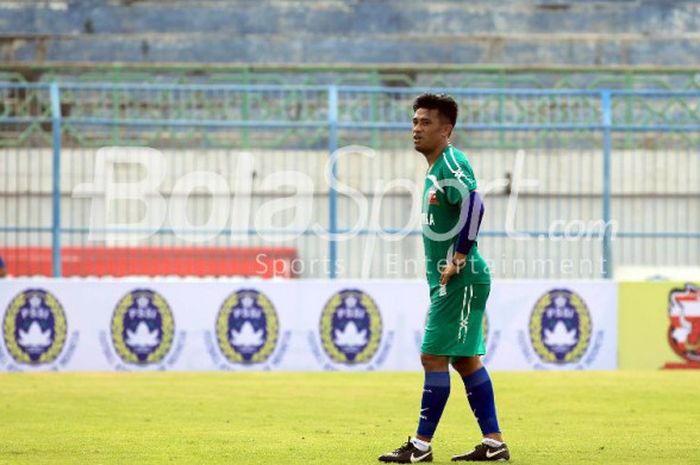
578, 32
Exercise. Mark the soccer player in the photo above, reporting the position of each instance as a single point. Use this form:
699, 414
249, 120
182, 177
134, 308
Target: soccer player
459, 281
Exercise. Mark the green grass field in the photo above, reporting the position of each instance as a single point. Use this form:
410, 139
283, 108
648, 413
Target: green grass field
339, 418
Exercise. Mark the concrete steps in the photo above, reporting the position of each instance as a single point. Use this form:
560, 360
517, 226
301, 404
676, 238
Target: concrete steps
354, 31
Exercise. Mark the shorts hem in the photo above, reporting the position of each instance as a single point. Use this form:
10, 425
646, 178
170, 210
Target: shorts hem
453, 355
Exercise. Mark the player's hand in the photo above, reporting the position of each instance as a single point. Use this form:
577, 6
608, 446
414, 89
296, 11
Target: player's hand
447, 272
452, 268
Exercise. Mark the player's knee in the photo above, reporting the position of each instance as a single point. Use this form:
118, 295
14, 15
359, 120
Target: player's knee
466, 365
433, 362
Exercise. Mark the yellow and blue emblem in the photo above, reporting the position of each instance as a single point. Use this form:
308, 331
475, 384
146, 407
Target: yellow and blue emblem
142, 327
34, 327
351, 327
560, 327
247, 327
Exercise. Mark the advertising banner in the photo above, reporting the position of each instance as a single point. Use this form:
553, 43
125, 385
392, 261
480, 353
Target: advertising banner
300, 325
659, 325
552, 325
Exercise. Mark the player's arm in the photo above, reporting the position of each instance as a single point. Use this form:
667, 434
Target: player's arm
473, 208
464, 194
466, 238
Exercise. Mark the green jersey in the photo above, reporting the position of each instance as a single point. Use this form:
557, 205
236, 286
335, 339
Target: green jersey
447, 183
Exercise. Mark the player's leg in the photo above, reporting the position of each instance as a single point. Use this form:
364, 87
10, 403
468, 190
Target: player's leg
439, 337
480, 395
436, 390
478, 385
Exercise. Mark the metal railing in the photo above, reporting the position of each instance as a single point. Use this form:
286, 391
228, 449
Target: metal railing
626, 159
387, 75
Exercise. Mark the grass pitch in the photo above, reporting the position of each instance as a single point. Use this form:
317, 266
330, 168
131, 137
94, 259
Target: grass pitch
339, 418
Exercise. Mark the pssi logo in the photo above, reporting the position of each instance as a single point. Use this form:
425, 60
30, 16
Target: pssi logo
143, 327
34, 327
560, 327
247, 327
351, 327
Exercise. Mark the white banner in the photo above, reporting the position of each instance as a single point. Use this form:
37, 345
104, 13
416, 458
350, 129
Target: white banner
552, 325
161, 324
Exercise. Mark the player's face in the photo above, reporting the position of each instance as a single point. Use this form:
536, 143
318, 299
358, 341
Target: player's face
430, 131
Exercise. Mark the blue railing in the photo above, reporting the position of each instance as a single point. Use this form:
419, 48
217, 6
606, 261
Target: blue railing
343, 114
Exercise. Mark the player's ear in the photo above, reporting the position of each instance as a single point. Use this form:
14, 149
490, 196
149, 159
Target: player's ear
449, 130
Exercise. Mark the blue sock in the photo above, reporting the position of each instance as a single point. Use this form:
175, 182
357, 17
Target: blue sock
481, 400
436, 390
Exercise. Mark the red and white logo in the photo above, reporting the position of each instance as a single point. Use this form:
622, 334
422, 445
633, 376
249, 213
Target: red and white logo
684, 330
434, 198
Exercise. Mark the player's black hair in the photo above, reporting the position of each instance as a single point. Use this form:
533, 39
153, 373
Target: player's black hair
443, 103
